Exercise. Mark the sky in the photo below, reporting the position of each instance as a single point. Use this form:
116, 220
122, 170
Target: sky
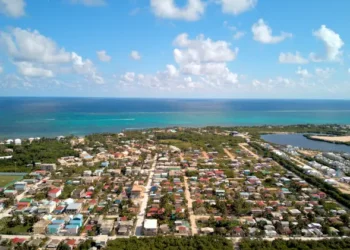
175, 48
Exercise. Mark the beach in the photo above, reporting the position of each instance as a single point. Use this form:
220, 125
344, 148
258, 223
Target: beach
342, 139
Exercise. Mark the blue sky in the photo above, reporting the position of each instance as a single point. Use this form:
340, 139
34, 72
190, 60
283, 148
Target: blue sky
175, 48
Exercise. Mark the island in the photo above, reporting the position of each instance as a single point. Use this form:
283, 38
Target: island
175, 188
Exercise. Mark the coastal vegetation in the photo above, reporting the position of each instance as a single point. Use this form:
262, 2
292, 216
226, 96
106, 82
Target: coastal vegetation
44, 150
333, 192
247, 244
167, 243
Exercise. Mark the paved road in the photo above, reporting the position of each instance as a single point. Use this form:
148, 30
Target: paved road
106, 238
194, 229
142, 214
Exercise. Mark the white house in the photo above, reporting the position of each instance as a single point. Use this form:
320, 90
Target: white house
18, 142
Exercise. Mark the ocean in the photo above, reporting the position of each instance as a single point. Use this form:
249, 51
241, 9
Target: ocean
25, 117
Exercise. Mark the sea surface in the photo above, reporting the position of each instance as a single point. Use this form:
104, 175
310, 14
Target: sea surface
301, 141
30, 116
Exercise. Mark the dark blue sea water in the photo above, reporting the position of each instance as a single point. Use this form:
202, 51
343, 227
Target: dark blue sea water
29, 117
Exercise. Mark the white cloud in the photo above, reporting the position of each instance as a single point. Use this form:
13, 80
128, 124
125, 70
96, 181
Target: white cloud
128, 77
12, 8
202, 50
86, 68
263, 33
28, 69
89, 3
292, 58
324, 73
103, 56
237, 6
205, 57
172, 70
238, 35
332, 42
27, 45
135, 55
1, 69
36, 55
304, 73
168, 9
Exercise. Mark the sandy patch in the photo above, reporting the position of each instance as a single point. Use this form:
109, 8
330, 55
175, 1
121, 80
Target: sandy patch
333, 138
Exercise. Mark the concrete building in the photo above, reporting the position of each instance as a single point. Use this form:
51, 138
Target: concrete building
150, 227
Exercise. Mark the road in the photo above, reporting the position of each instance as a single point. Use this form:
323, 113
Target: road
142, 214
194, 229
243, 146
229, 154
105, 238
205, 155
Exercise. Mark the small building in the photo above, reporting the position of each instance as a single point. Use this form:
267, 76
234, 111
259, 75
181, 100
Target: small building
40, 226
20, 186
18, 142
150, 227
106, 227
48, 167
72, 229
54, 193
74, 208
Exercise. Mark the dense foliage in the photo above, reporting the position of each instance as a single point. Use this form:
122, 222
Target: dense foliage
45, 151
333, 192
173, 243
205, 141
295, 244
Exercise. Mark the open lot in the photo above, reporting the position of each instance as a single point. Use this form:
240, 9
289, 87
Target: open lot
6, 179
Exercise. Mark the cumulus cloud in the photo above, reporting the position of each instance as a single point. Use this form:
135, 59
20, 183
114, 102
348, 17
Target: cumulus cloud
86, 68
135, 55
238, 35
292, 58
172, 70
263, 33
202, 50
237, 6
333, 43
36, 55
89, 3
304, 73
27, 45
168, 9
324, 73
28, 69
12, 8
103, 56
204, 58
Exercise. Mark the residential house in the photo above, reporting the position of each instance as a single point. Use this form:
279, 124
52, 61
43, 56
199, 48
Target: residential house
74, 208
54, 193
150, 227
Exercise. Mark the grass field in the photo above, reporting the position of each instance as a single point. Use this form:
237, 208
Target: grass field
6, 179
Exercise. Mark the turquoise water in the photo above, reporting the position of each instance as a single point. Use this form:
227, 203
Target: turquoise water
301, 141
29, 117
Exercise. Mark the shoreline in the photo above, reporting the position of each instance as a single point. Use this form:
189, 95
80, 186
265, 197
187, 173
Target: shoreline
326, 138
